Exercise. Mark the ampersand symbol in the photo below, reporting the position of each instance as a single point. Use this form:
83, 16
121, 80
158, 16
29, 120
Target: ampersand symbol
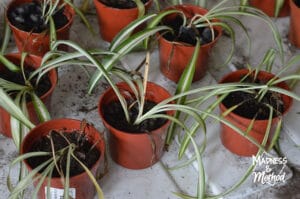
268, 169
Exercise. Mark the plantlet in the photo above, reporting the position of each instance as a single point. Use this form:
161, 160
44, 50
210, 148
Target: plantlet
58, 154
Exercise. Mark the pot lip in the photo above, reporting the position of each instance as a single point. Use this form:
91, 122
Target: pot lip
181, 44
244, 71
62, 119
51, 73
293, 4
70, 20
120, 132
119, 9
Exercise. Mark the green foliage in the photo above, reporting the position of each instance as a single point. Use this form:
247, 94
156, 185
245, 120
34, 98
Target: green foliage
44, 171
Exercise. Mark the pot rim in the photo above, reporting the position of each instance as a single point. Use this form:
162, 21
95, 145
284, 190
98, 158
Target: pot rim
149, 2
245, 71
101, 156
120, 132
68, 9
52, 72
181, 44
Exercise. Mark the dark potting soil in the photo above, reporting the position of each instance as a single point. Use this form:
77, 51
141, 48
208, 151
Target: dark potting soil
85, 151
251, 107
28, 17
297, 2
188, 34
43, 86
121, 4
114, 115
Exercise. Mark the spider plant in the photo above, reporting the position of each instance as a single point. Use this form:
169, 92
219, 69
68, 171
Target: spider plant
22, 94
44, 172
222, 90
219, 15
223, 16
44, 24
45, 169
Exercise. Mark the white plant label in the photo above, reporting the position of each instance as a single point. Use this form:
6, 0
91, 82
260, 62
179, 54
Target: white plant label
59, 193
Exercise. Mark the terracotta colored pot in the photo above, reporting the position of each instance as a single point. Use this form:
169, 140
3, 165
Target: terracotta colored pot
38, 43
294, 32
268, 7
135, 150
81, 183
113, 20
174, 57
231, 139
35, 62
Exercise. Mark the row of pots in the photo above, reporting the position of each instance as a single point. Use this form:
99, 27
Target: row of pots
173, 56
135, 151
38, 43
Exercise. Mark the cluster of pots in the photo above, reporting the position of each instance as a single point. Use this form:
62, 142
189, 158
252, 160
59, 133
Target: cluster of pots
135, 151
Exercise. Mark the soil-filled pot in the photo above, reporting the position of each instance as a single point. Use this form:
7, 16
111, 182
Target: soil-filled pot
81, 187
31, 61
36, 41
174, 56
230, 138
112, 20
294, 32
268, 7
136, 150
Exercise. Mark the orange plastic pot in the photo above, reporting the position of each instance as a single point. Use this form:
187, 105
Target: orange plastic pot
112, 20
135, 150
38, 43
268, 7
35, 62
174, 56
294, 32
233, 141
80, 185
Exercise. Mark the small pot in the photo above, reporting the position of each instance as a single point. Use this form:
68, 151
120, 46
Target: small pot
233, 141
112, 20
294, 32
38, 43
174, 57
135, 150
35, 62
81, 183
268, 7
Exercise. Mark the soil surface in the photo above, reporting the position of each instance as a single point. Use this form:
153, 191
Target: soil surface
122, 4
28, 17
114, 115
188, 34
43, 86
251, 107
84, 151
